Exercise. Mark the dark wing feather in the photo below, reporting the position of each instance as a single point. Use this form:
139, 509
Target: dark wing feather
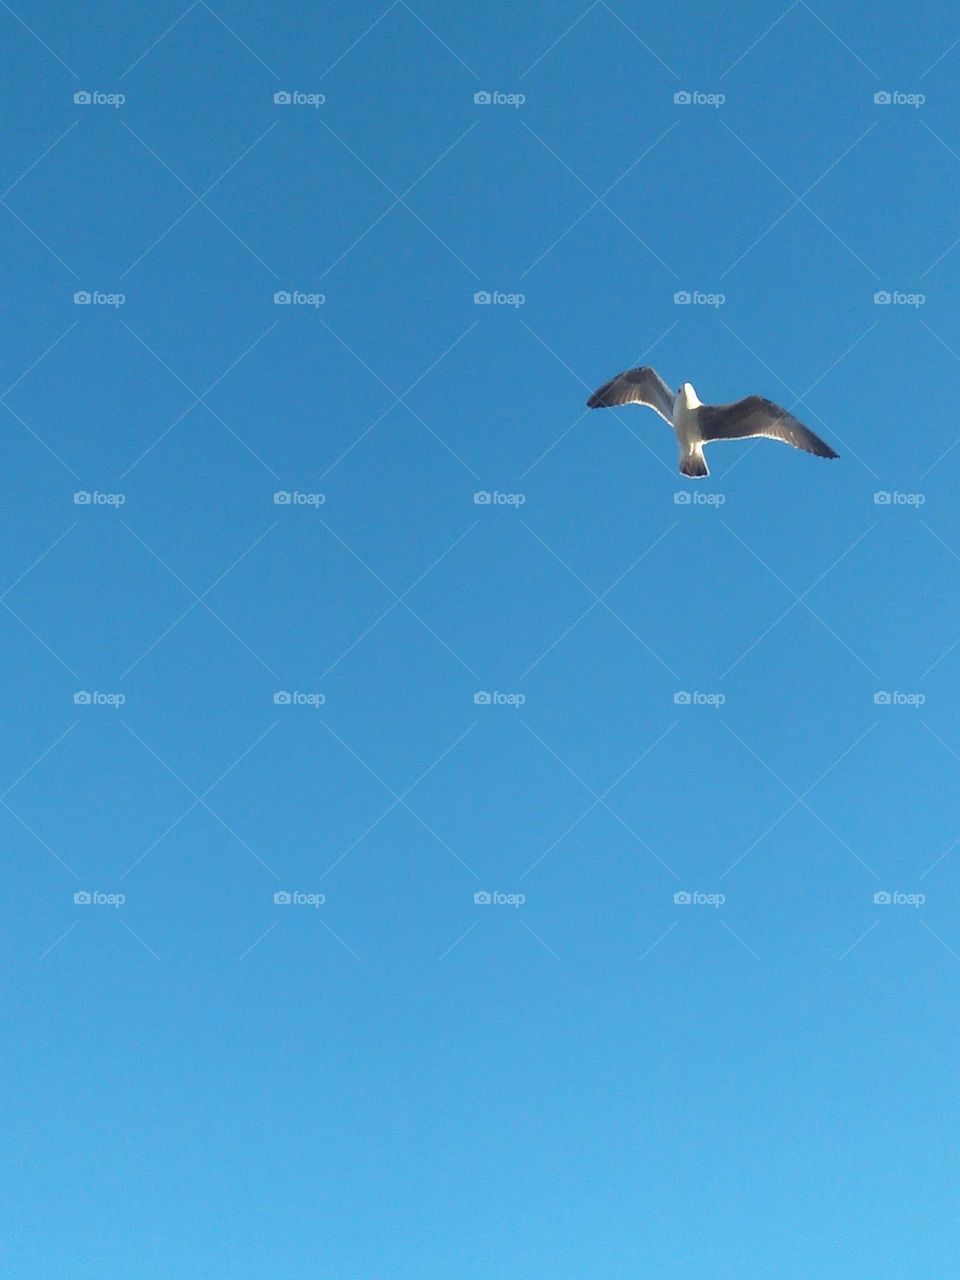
755, 416
635, 386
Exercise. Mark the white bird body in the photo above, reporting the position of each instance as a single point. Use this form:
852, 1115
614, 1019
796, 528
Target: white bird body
696, 424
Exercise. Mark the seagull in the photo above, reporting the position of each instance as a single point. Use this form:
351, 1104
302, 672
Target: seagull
697, 424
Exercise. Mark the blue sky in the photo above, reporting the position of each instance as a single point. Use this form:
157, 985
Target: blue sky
698, 759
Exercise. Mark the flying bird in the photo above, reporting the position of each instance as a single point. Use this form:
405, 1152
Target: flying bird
697, 424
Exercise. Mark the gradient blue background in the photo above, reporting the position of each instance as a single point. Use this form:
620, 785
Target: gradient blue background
401, 1083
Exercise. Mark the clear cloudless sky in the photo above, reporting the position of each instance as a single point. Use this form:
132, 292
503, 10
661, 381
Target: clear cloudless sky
677, 1035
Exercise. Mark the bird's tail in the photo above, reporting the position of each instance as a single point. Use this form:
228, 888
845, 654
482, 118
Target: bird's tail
693, 463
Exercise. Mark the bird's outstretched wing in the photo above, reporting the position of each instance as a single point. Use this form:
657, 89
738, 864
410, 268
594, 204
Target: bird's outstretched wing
636, 386
755, 416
